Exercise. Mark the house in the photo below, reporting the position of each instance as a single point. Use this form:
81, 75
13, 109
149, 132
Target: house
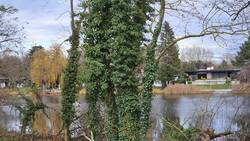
211, 76
3, 81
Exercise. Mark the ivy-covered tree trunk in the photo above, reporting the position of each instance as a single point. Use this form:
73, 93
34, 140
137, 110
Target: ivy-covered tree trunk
150, 70
112, 129
69, 90
128, 20
113, 31
99, 85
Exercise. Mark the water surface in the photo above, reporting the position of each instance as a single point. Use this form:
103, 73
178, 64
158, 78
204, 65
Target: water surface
221, 112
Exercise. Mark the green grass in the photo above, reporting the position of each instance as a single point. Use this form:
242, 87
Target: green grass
8, 138
25, 90
216, 86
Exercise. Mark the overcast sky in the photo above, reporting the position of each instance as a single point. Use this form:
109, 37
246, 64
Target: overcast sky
47, 22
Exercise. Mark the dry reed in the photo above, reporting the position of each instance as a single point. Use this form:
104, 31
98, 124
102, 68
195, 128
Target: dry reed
185, 90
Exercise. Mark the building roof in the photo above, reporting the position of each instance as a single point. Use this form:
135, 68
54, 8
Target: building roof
214, 71
2, 77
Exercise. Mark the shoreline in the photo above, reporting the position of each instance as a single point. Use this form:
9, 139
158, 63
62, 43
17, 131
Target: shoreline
187, 90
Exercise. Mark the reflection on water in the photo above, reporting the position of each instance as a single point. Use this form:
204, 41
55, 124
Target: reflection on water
47, 123
9, 119
221, 112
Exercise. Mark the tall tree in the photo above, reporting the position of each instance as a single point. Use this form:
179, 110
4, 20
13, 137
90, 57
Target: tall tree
129, 18
33, 50
99, 68
243, 56
39, 72
150, 71
69, 90
46, 67
27, 60
196, 54
113, 35
12, 68
57, 64
169, 64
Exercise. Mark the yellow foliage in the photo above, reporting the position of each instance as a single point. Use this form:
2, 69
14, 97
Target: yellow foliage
47, 66
158, 91
57, 63
39, 67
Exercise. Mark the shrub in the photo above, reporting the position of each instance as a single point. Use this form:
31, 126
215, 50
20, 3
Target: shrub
173, 131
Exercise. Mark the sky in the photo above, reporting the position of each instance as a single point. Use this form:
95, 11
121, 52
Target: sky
47, 21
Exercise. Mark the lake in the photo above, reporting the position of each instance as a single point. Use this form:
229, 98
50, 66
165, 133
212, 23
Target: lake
219, 111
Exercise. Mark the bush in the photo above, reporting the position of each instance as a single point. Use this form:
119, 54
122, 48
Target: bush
228, 82
25, 90
182, 79
173, 131
241, 88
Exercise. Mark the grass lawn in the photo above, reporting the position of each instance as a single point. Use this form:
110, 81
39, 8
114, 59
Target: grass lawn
215, 86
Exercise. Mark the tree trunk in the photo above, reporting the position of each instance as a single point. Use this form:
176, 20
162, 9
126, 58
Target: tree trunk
149, 76
112, 130
23, 127
163, 84
66, 134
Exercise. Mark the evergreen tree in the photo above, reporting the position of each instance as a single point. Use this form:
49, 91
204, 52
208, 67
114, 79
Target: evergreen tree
243, 56
33, 50
169, 64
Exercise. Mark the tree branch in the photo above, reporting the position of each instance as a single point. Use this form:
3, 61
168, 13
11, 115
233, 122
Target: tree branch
203, 33
220, 135
159, 25
240, 10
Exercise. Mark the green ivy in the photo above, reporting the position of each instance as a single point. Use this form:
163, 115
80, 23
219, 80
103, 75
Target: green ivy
128, 22
69, 90
113, 32
99, 86
150, 70
28, 111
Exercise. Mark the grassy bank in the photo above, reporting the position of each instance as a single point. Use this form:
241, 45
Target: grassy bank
181, 89
28, 91
16, 91
13, 136
216, 86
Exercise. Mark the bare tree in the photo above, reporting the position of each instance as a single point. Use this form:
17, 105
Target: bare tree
10, 33
199, 18
245, 74
12, 68
237, 8
196, 53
